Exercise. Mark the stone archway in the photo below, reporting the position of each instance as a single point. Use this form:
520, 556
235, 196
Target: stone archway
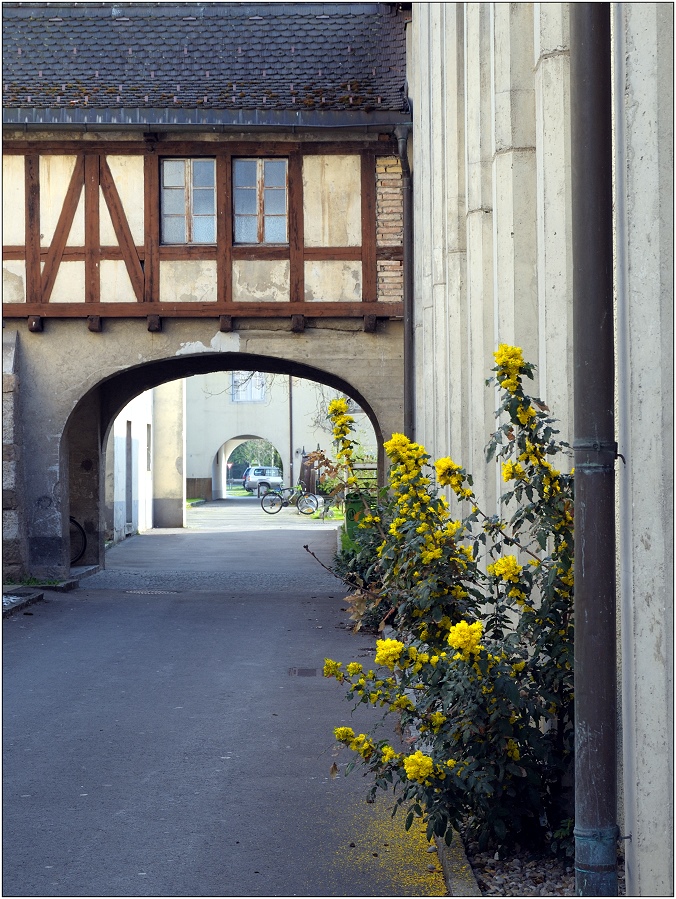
74, 383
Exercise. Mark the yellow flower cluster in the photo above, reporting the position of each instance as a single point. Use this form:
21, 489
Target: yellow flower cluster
388, 652
509, 360
465, 638
338, 406
450, 474
332, 669
512, 472
513, 751
342, 425
363, 745
418, 766
436, 720
506, 568
388, 754
358, 742
411, 494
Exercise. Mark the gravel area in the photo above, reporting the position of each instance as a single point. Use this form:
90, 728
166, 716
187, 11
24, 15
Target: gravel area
523, 873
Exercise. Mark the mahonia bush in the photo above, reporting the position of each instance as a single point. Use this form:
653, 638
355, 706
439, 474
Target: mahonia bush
481, 670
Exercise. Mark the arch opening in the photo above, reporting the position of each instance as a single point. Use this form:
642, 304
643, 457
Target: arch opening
101, 451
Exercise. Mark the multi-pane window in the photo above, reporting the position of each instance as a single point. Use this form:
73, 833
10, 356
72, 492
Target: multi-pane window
248, 387
188, 201
259, 201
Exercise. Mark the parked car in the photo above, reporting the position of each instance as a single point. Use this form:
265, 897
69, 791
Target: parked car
261, 478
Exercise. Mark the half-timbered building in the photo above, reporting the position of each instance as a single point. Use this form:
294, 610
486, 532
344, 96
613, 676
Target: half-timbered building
226, 175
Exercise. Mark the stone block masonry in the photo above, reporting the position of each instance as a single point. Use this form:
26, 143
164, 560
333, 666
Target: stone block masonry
13, 532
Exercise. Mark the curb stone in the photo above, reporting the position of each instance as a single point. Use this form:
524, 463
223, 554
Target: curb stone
458, 874
15, 598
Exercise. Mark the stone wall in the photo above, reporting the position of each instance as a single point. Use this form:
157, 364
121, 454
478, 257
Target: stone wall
13, 523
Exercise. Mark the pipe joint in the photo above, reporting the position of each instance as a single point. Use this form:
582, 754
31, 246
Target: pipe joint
596, 860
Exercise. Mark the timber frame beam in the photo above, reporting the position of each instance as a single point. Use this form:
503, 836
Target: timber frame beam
92, 178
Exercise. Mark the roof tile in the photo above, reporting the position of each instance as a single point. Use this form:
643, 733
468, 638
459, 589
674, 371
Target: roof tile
336, 56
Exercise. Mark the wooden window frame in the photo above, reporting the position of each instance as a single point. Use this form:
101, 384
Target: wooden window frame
189, 190
260, 213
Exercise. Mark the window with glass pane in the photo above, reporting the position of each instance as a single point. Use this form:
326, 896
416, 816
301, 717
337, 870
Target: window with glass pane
189, 201
248, 387
259, 200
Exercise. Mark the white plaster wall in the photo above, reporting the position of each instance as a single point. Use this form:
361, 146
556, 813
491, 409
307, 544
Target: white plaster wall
213, 421
13, 281
333, 281
55, 175
115, 282
13, 201
127, 172
260, 280
188, 281
69, 284
140, 413
332, 201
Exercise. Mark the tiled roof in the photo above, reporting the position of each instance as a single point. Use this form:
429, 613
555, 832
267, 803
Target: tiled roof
265, 57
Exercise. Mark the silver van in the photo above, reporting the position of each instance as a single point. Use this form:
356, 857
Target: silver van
261, 479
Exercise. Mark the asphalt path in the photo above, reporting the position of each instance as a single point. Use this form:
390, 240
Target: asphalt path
168, 731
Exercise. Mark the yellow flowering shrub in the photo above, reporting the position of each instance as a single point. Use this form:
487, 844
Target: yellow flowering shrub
482, 665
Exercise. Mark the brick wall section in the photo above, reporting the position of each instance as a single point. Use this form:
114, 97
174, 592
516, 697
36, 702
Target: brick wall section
389, 226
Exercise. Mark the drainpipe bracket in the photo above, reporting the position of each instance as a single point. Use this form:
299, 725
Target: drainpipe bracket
595, 455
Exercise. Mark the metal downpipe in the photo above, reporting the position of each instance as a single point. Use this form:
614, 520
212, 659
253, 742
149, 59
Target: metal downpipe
596, 830
401, 133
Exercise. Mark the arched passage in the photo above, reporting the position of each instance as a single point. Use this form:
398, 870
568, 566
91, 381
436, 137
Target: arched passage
73, 383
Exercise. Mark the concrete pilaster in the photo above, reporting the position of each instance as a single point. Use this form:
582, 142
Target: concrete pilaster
169, 455
643, 87
554, 239
480, 242
440, 267
514, 177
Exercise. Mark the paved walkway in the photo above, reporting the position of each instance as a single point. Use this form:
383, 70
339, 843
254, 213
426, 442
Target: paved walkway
168, 731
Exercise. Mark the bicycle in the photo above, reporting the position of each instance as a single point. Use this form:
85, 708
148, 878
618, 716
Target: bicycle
78, 541
275, 500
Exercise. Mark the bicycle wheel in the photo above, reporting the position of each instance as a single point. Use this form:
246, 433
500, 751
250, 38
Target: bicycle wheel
78, 541
307, 503
271, 502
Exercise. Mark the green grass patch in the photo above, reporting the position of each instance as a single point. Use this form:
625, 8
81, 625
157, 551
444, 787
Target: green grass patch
32, 582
